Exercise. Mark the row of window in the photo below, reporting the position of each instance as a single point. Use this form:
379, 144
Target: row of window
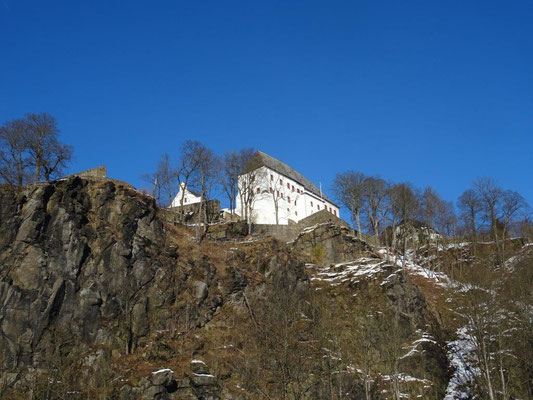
289, 186
280, 194
331, 210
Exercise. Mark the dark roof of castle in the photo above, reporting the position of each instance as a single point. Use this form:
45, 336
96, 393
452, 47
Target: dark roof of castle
261, 159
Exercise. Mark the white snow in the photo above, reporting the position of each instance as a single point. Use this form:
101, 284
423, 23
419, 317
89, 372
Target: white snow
162, 370
460, 351
339, 273
426, 338
206, 375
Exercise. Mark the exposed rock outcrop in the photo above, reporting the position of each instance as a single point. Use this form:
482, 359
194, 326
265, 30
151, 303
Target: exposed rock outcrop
98, 289
163, 384
329, 243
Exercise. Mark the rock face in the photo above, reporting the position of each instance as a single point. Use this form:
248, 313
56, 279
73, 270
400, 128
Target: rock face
97, 290
329, 243
79, 260
394, 310
163, 385
413, 233
87, 262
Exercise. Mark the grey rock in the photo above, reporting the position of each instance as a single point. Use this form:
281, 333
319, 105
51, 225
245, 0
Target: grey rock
200, 291
203, 380
163, 377
199, 367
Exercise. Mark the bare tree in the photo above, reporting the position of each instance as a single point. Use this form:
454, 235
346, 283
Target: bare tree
205, 178
47, 155
233, 164
32, 142
446, 219
469, 204
490, 195
512, 204
403, 204
188, 166
348, 188
252, 178
56, 158
429, 202
164, 180
13, 152
375, 195
276, 192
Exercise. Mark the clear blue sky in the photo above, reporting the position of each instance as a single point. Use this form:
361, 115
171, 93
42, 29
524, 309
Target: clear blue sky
436, 93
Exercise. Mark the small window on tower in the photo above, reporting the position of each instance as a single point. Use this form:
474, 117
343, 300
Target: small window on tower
293, 188
296, 213
271, 190
281, 182
318, 206
311, 204
288, 185
289, 199
258, 190
335, 212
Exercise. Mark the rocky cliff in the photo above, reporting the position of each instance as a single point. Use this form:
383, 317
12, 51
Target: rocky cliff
101, 296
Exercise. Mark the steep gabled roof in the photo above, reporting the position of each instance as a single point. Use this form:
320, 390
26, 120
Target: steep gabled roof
183, 186
261, 159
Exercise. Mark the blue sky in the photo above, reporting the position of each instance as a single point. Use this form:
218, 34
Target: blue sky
435, 93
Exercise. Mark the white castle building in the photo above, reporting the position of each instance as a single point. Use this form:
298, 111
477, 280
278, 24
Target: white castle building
188, 196
274, 193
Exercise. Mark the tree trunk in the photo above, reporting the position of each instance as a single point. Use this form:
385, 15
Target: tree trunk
376, 230
473, 223
393, 234
37, 170
182, 211
486, 365
199, 219
358, 221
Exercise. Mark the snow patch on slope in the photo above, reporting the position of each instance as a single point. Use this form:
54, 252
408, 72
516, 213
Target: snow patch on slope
459, 353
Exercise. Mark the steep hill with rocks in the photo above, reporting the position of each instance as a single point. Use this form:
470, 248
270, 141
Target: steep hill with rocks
102, 295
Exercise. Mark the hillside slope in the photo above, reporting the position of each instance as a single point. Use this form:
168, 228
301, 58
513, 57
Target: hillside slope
102, 296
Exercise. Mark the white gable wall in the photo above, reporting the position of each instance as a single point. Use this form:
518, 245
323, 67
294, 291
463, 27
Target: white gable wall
190, 198
293, 201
